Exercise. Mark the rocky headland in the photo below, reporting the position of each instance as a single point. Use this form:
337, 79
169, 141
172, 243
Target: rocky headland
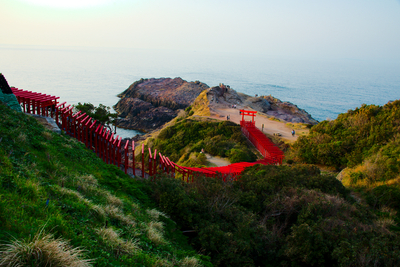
149, 103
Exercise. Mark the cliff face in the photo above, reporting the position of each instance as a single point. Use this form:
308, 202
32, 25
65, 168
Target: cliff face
287, 111
149, 103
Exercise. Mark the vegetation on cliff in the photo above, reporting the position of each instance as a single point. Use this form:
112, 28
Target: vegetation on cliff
58, 198
366, 141
56, 195
278, 216
184, 140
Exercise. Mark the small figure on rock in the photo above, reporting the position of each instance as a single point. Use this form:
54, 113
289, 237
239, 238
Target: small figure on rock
293, 132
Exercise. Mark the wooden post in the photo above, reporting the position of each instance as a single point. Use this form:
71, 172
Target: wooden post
105, 145
126, 156
133, 158
97, 133
119, 159
143, 160
150, 166
91, 134
155, 162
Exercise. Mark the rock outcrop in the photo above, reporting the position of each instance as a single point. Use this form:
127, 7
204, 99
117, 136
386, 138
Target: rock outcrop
149, 103
286, 111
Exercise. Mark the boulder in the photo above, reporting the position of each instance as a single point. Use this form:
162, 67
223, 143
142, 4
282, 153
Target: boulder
171, 93
149, 103
148, 120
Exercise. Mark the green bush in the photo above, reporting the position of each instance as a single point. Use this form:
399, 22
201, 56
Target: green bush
276, 216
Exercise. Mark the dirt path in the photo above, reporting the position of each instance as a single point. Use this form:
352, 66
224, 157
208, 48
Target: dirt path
270, 126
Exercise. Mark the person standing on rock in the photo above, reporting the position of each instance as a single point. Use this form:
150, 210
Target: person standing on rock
293, 132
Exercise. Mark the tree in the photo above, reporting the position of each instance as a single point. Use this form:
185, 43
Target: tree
101, 113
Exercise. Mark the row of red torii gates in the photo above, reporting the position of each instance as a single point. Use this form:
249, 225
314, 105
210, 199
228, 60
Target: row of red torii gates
113, 150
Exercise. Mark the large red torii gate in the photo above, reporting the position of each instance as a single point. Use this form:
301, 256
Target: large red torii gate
248, 113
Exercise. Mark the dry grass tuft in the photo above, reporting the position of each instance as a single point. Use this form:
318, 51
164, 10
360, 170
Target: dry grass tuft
135, 207
119, 245
189, 262
21, 138
67, 146
116, 213
98, 212
47, 135
113, 200
163, 263
68, 192
86, 182
385, 222
155, 232
155, 214
42, 250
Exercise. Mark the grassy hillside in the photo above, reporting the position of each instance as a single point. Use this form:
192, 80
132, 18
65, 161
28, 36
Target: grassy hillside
183, 141
365, 143
56, 195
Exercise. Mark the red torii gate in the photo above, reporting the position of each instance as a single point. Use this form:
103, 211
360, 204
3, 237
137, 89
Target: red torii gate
248, 113
37, 102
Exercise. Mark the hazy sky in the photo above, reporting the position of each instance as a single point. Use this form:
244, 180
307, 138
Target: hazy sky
356, 29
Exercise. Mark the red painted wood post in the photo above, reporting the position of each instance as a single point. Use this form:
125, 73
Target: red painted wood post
104, 144
111, 148
150, 166
58, 108
161, 163
87, 131
68, 121
165, 166
96, 139
99, 142
143, 160
155, 162
133, 158
126, 155
33, 106
74, 123
84, 122
79, 127
115, 150
91, 133
119, 158
63, 112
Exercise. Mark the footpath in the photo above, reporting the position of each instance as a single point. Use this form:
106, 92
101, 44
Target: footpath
270, 126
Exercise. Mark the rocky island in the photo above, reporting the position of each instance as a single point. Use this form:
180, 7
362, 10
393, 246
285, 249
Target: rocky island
149, 103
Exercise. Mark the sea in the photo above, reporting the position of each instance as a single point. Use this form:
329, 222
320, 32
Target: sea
324, 88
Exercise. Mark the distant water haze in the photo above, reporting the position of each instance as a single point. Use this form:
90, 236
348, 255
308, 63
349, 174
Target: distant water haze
324, 88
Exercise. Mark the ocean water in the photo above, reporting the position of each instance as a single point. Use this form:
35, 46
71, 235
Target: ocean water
324, 88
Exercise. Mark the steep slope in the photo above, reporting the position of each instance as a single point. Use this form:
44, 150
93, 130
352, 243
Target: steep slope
52, 184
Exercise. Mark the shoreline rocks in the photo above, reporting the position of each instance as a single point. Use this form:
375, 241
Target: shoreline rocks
150, 103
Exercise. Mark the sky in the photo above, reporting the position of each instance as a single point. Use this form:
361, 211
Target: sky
350, 29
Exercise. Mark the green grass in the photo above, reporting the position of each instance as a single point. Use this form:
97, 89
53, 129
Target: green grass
54, 184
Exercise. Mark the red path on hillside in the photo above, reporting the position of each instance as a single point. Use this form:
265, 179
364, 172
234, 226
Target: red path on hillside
109, 147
